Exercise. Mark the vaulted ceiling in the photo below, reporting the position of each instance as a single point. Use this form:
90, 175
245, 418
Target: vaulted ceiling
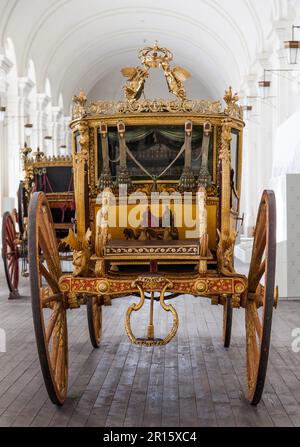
83, 44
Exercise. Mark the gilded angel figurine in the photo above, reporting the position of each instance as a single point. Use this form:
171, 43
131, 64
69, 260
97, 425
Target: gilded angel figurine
136, 81
175, 78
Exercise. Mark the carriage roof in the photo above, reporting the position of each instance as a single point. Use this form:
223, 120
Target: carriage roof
145, 110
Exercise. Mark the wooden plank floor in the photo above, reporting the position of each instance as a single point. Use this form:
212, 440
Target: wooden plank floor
193, 381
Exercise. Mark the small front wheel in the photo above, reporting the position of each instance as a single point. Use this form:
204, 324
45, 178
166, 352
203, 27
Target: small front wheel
94, 316
227, 322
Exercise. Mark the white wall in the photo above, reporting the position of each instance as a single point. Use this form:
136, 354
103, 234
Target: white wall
288, 235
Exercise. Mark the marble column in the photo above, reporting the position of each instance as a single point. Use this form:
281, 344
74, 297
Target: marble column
67, 135
5, 66
42, 125
57, 129
25, 86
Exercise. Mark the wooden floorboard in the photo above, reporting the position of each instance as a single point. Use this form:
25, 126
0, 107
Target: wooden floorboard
191, 382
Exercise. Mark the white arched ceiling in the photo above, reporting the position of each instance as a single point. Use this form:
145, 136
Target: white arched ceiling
80, 44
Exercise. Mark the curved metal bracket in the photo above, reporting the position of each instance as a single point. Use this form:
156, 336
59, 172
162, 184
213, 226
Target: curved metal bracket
151, 341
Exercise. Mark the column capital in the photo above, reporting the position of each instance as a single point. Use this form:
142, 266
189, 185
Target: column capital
25, 85
57, 113
42, 101
263, 58
5, 63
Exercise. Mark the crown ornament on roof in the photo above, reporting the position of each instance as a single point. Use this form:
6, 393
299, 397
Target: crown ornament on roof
155, 57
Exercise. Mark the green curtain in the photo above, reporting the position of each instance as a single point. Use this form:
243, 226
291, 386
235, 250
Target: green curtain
139, 133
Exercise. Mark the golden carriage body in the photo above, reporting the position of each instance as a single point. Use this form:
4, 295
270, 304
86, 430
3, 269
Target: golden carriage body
54, 177
157, 187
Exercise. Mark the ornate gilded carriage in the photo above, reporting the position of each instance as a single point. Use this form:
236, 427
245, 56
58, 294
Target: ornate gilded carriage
157, 187
54, 177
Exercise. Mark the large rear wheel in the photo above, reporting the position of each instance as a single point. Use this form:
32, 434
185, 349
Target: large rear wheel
48, 306
260, 298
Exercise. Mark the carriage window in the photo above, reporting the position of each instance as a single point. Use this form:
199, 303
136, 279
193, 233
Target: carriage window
155, 151
54, 179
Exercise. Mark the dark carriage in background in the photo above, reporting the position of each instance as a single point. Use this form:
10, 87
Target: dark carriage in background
149, 151
54, 177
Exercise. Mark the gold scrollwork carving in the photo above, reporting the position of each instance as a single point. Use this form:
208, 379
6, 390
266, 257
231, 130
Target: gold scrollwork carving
232, 108
153, 106
79, 103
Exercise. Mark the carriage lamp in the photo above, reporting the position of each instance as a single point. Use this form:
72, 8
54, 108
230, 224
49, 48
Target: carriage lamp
292, 48
47, 141
28, 130
2, 113
264, 88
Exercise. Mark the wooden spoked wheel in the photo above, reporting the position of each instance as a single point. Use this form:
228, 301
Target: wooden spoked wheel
48, 307
94, 316
260, 298
227, 322
10, 254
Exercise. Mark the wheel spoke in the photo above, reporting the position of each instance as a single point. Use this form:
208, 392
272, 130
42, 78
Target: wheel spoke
257, 275
257, 324
10, 244
48, 236
47, 255
60, 358
55, 347
16, 274
252, 347
52, 323
260, 246
10, 230
49, 278
57, 298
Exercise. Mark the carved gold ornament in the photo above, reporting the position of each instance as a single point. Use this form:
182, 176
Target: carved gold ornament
103, 287
81, 253
155, 57
79, 103
151, 283
151, 106
232, 108
201, 287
